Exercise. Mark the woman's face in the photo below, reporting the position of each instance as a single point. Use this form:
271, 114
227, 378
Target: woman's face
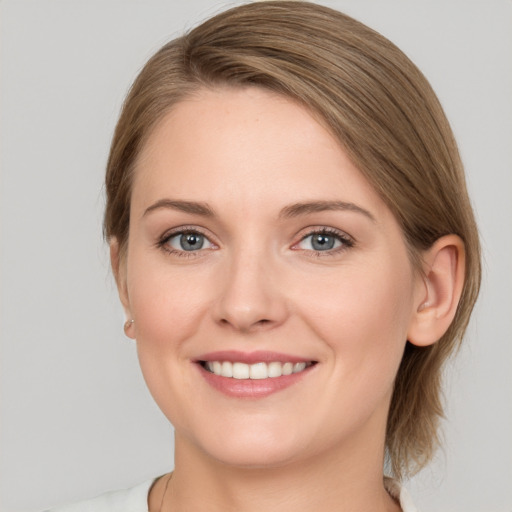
254, 239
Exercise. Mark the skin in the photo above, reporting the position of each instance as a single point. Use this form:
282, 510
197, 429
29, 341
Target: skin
258, 284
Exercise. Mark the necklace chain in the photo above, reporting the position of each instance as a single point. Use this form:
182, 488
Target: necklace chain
165, 491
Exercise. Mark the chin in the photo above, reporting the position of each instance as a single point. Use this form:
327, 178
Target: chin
252, 448
255, 457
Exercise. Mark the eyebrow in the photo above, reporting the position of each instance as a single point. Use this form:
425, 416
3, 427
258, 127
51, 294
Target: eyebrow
297, 209
193, 207
290, 211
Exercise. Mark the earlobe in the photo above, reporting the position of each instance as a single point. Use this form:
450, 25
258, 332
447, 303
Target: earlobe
118, 263
439, 291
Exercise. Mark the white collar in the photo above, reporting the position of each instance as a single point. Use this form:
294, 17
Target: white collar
399, 493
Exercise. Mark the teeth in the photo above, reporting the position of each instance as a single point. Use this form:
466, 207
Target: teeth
258, 371
287, 368
254, 371
298, 367
241, 371
226, 369
274, 369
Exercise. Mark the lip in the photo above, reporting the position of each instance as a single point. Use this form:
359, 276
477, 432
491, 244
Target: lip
259, 356
249, 388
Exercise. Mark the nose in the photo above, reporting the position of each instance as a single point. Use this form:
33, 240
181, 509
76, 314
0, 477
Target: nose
251, 297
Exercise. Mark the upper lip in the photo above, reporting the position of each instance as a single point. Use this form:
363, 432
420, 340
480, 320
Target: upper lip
259, 356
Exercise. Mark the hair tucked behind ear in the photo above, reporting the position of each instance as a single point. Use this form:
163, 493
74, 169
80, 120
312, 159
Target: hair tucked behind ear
384, 114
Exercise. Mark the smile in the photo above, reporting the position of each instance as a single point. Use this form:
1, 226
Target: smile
256, 371
253, 375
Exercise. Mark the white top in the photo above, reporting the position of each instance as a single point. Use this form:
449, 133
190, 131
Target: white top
136, 499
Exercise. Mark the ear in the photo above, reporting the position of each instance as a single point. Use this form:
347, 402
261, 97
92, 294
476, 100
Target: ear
118, 263
438, 291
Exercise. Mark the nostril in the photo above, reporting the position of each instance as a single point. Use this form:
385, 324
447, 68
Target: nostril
257, 325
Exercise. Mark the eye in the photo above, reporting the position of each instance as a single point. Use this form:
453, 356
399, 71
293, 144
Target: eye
188, 241
324, 241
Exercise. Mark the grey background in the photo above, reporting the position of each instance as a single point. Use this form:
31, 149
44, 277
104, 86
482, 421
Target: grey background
76, 417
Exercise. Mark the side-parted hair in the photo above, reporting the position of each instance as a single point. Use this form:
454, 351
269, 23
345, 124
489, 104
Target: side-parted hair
384, 114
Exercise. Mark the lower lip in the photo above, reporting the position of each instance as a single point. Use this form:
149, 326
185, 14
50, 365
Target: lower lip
252, 388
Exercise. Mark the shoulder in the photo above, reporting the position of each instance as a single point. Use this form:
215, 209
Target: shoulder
134, 499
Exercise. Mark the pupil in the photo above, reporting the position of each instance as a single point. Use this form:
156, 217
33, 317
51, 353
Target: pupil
191, 241
323, 242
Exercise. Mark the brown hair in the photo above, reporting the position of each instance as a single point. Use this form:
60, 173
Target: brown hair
384, 114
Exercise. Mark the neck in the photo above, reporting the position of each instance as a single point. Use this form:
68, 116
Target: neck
333, 482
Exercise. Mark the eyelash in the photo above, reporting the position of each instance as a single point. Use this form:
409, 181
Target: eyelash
347, 242
163, 242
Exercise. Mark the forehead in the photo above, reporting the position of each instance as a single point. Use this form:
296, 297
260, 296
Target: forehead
235, 114
248, 143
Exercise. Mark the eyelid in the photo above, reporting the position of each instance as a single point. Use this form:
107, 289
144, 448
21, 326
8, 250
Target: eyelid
177, 239
162, 242
346, 240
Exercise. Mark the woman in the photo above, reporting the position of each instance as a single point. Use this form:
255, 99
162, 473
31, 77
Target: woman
296, 255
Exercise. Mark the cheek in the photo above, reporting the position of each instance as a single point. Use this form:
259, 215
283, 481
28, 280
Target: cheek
363, 319
167, 305
165, 320
363, 314
165, 302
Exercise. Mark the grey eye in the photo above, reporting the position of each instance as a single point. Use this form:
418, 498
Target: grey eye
320, 242
190, 241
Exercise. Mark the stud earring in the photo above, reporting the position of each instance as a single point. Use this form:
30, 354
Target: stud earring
127, 325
